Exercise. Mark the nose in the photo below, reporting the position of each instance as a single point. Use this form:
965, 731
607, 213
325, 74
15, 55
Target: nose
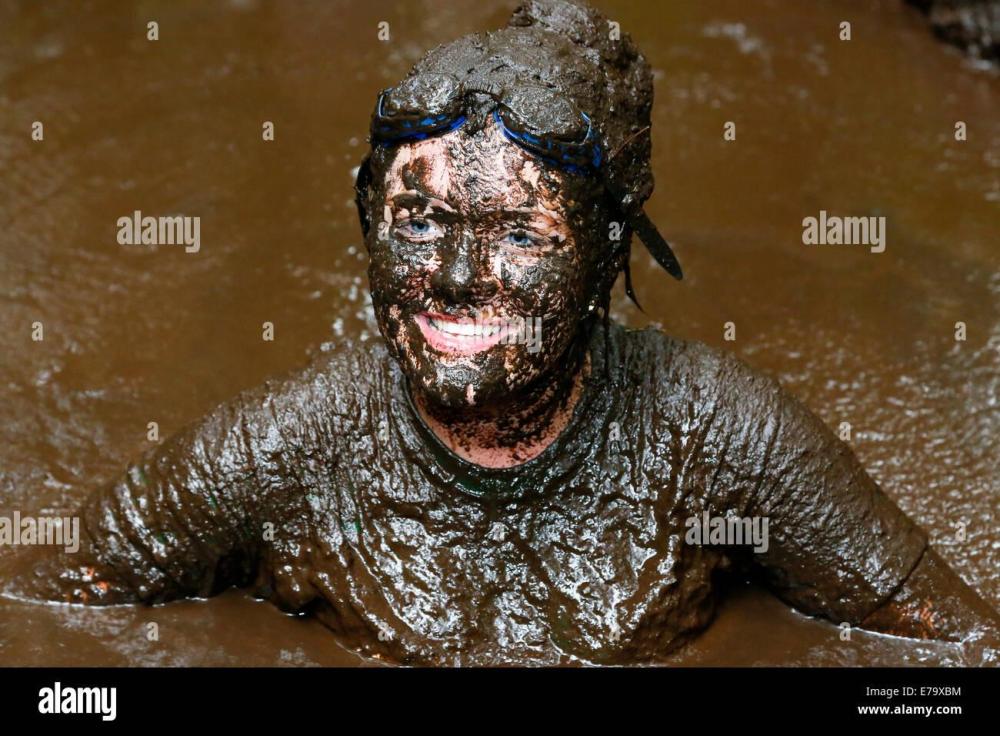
464, 277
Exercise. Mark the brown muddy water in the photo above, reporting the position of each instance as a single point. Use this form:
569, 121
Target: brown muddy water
140, 334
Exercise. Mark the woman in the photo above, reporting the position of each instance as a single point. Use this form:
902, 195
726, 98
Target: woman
511, 477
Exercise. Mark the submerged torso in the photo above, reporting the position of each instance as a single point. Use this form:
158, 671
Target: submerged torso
328, 488
421, 557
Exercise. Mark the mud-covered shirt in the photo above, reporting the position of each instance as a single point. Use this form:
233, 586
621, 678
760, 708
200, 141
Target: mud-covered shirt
326, 492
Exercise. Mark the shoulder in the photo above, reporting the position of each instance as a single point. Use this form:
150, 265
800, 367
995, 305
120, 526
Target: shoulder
332, 391
341, 367
705, 394
678, 367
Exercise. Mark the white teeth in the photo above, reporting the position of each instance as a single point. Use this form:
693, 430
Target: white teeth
465, 328
462, 329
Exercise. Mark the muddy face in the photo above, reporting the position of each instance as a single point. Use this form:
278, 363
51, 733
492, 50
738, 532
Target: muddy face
471, 239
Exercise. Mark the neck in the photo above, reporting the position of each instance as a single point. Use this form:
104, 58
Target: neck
506, 434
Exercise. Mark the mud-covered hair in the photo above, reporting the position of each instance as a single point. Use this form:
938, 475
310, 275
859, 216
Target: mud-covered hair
616, 91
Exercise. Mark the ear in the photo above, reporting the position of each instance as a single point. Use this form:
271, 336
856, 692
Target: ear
362, 184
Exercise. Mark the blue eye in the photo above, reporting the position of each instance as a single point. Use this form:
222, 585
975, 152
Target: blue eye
519, 237
419, 231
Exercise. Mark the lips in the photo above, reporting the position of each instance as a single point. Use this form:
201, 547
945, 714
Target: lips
460, 335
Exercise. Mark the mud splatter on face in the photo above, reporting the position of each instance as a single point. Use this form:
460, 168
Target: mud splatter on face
475, 235
466, 227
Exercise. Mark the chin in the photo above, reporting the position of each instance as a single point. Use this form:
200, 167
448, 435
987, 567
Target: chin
458, 382
462, 381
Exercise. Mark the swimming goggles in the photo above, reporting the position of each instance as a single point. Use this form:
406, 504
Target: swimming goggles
540, 120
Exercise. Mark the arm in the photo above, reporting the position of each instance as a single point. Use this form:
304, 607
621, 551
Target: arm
180, 522
838, 547
935, 603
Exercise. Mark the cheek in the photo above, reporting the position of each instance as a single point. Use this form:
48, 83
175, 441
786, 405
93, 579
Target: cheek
546, 286
400, 271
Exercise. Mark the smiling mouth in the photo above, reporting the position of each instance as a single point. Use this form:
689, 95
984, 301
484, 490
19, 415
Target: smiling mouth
461, 336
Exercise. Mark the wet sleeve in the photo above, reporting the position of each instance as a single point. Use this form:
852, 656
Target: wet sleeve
837, 545
182, 521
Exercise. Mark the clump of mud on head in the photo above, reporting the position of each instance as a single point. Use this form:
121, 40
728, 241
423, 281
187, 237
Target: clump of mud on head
467, 225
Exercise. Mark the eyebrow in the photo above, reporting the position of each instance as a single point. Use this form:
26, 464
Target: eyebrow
416, 198
420, 200
526, 214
